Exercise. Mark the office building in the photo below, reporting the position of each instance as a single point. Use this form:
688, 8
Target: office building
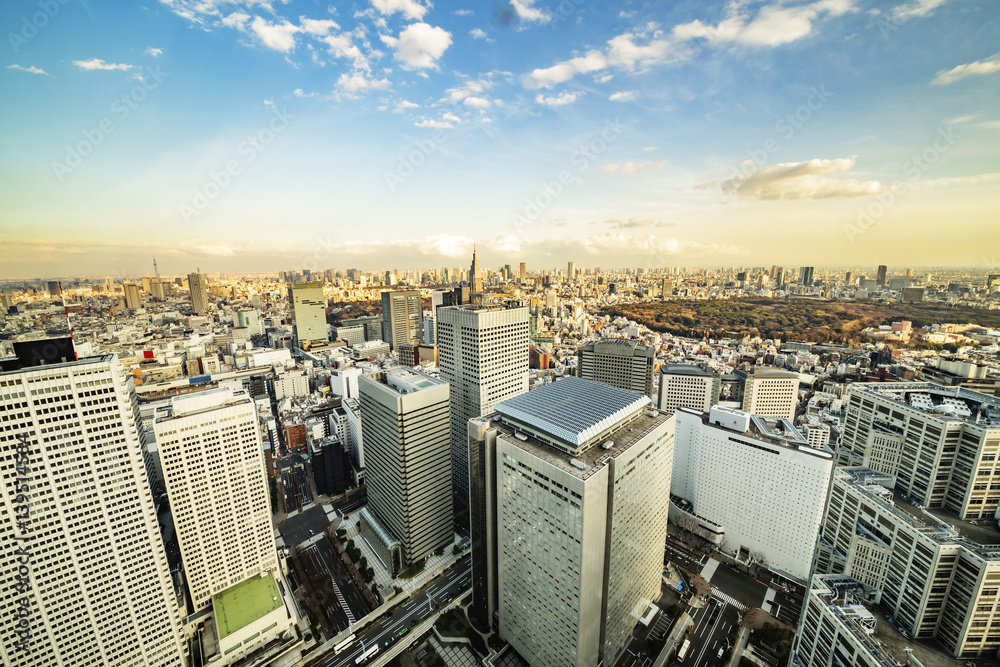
806, 276
213, 466
483, 356
666, 288
408, 448
402, 318
251, 320
752, 485
622, 363
940, 443
880, 278
688, 386
955, 371
308, 308
198, 287
568, 542
352, 335
571, 271
836, 628
770, 392
522, 271
934, 574
372, 326
99, 589
911, 295
475, 275
133, 299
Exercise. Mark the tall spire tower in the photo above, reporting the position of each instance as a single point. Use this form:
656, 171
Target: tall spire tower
476, 276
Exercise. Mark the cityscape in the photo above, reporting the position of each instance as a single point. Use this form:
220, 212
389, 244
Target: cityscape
539, 333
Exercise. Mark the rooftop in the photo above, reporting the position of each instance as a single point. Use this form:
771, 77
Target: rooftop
240, 605
948, 404
572, 409
685, 369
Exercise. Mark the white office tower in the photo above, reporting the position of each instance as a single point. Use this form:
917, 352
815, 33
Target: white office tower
751, 484
402, 318
483, 356
622, 363
408, 445
308, 308
95, 588
941, 443
769, 392
576, 527
213, 465
688, 386
935, 575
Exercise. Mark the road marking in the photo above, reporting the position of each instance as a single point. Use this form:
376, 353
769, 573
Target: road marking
725, 598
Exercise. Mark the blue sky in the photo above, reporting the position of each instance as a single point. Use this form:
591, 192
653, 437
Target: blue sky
253, 136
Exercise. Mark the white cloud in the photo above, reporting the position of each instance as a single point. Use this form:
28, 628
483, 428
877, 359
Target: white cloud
477, 102
463, 12
298, 92
31, 69
446, 120
356, 84
772, 25
564, 71
651, 148
343, 46
419, 45
154, 52
405, 105
316, 27
801, 180
630, 167
526, 11
559, 100
277, 36
269, 102
410, 8
622, 96
477, 33
471, 88
98, 64
627, 51
978, 68
632, 223
236, 20
916, 9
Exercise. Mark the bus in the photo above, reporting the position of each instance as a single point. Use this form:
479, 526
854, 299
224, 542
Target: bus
367, 654
344, 644
684, 650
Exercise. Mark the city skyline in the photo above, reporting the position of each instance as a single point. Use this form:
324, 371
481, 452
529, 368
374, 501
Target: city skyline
611, 136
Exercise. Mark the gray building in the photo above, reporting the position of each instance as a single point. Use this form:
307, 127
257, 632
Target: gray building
402, 317
483, 355
622, 363
198, 286
408, 452
308, 308
569, 518
688, 386
372, 326
352, 335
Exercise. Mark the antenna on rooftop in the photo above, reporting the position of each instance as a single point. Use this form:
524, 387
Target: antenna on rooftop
156, 271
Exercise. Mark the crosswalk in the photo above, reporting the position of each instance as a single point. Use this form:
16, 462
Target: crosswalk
343, 603
728, 600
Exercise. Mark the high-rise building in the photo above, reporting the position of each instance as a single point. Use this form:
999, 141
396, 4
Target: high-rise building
308, 308
53, 287
522, 271
571, 270
198, 286
806, 275
567, 540
408, 447
939, 442
94, 586
402, 318
483, 356
688, 386
836, 604
620, 362
727, 467
133, 299
849, 278
880, 278
666, 288
769, 392
475, 274
935, 575
213, 466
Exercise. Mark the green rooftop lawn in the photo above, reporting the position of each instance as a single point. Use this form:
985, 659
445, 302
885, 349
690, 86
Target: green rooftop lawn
240, 605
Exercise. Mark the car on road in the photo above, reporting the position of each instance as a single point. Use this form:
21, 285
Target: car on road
719, 656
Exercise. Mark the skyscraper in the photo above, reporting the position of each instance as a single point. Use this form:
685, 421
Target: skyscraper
213, 466
666, 288
483, 355
522, 271
408, 450
132, 298
880, 278
806, 276
769, 392
620, 362
79, 518
571, 270
570, 545
198, 286
475, 274
308, 307
402, 318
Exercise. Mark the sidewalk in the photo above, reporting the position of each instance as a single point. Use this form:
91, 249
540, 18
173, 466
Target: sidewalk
673, 640
740, 646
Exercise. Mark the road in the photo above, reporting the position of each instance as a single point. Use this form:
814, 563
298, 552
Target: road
709, 634
681, 555
387, 630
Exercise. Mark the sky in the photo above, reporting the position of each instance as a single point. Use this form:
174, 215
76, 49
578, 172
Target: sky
256, 136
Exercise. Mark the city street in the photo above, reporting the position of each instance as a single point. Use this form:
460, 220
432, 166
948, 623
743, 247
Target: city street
710, 635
